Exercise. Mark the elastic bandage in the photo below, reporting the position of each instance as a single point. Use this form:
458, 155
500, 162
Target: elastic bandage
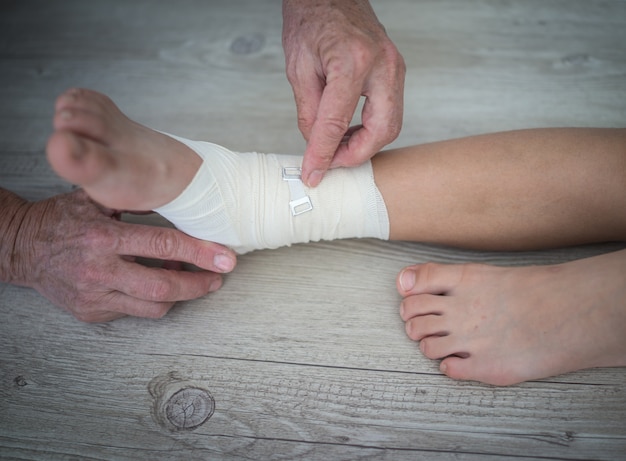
241, 200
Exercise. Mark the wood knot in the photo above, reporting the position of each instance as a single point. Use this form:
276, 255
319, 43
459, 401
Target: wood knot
247, 44
20, 381
189, 408
180, 404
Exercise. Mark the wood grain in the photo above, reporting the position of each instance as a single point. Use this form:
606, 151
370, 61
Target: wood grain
302, 350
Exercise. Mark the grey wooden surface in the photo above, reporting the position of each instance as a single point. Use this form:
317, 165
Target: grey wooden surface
302, 351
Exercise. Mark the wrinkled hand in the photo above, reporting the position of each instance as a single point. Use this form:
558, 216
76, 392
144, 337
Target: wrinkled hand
76, 254
336, 52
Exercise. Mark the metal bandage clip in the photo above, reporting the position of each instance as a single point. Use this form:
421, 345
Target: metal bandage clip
300, 202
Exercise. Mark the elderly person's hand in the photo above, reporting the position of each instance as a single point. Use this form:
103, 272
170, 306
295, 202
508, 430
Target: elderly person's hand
76, 254
336, 52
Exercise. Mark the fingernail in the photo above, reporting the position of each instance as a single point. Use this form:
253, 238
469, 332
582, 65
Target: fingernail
215, 284
315, 178
224, 262
407, 279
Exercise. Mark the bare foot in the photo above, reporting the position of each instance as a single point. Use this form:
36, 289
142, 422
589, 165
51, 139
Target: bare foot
120, 163
507, 325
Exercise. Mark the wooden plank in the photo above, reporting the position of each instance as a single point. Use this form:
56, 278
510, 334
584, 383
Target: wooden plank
302, 363
304, 405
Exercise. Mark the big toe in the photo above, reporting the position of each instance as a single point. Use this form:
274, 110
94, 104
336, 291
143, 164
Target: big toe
76, 159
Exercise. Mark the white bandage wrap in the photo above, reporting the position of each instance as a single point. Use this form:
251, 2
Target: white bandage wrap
241, 200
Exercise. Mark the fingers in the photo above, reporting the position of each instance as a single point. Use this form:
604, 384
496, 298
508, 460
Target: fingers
139, 291
307, 91
381, 120
330, 65
381, 123
172, 245
116, 305
90, 268
162, 285
332, 120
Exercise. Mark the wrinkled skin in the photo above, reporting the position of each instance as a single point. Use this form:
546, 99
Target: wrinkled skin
336, 52
82, 258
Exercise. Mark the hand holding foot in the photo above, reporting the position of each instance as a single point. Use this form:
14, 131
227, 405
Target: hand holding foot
121, 164
81, 258
209, 192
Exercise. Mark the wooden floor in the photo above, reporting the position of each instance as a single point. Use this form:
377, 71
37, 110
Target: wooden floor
302, 354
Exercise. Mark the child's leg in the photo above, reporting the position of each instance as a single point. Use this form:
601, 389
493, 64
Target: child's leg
515, 190
508, 191
241, 200
518, 190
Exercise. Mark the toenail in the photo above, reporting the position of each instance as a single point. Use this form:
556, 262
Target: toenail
407, 279
65, 115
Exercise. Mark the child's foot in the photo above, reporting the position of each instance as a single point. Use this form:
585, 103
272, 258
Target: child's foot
121, 164
507, 325
238, 200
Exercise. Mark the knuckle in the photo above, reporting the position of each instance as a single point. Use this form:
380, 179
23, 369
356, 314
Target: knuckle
157, 310
291, 72
161, 311
99, 236
85, 310
305, 124
164, 244
363, 56
160, 289
393, 131
322, 159
335, 127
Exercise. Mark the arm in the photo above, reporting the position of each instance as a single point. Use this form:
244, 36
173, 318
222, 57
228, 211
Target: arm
76, 254
336, 52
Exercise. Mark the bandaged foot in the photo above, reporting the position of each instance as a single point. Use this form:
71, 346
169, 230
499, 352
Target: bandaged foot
207, 191
244, 200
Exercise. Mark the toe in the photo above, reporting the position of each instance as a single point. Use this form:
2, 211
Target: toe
420, 327
87, 113
429, 278
456, 367
78, 160
80, 122
472, 369
418, 305
82, 98
439, 346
